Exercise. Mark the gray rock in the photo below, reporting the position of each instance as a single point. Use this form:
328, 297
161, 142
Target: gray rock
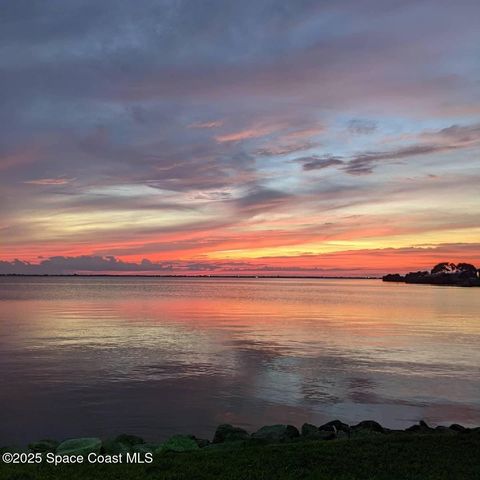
43, 446
335, 423
369, 425
421, 427
458, 428
80, 446
277, 433
309, 430
229, 433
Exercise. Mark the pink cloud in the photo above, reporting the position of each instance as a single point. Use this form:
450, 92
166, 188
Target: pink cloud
254, 132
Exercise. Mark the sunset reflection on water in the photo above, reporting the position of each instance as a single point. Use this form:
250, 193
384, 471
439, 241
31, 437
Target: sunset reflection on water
99, 356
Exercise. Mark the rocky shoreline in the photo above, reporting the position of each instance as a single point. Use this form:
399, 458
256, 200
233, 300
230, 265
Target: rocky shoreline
227, 435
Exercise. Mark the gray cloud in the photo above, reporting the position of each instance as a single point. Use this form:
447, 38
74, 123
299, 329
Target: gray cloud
319, 163
259, 200
87, 263
463, 134
364, 163
62, 265
444, 140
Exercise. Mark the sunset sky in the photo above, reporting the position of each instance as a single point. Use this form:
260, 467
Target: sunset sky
239, 137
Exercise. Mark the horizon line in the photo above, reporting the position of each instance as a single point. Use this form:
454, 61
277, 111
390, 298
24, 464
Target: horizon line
337, 277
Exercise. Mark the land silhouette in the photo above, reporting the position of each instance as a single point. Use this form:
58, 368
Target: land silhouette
444, 273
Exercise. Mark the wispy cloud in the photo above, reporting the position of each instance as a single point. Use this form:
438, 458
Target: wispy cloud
249, 133
319, 163
445, 140
207, 125
50, 181
274, 149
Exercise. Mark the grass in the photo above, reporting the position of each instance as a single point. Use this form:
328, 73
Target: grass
392, 457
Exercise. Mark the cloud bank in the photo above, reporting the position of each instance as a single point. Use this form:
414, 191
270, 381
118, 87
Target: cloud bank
202, 133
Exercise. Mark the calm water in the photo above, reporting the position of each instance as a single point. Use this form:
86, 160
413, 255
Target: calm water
93, 356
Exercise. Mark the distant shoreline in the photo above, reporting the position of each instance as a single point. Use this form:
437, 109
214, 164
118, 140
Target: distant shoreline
189, 276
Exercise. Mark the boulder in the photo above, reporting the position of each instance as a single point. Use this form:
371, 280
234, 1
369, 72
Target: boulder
43, 446
178, 443
369, 426
229, 433
79, 446
277, 433
421, 427
309, 430
335, 423
458, 428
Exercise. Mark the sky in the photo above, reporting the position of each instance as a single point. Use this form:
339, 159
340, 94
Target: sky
224, 137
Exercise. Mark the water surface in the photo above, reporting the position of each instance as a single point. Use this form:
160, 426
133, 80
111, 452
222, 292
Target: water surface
157, 356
